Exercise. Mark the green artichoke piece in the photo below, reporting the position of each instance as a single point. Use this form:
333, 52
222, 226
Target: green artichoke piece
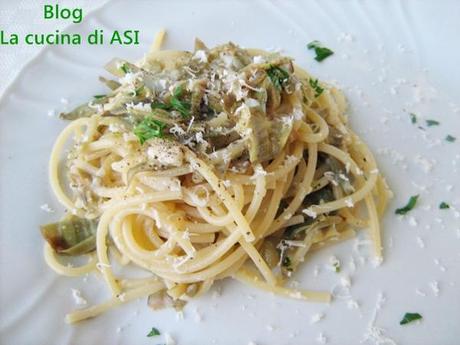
71, 236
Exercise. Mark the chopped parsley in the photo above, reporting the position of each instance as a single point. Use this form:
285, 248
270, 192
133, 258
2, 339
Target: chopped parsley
154, 332
443, 205
410, 205
175, 103
158, 105
149, 128
431, 123
278, 76
410, 317
450, 138
99, 96
124, 67
320, 51
315, 85
336, 266
182, 107
413, 118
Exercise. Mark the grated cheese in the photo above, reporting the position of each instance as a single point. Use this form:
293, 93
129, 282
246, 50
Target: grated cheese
309, 212
438, 263
316, 271
345, 37
169, 340
130, 78
424, 163
46, 208
412, 221
269, 328
373, 333
420, 242
78, 298
377, 261
227, 183
259, 171
179, 315
198, 317
434, 285
201, 56
334, 263
345, 281
349, 202
139, 106
258, 59
316, 318
420, 293
352, 304
321, 338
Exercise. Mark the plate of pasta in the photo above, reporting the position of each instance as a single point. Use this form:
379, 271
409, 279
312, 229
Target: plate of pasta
194, 190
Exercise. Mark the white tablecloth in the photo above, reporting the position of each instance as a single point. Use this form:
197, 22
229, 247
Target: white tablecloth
26, 16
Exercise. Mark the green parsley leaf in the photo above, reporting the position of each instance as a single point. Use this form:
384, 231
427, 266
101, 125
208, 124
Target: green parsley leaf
337, 266
450, 138
159, 105
430, 123
154, 332
178, 91
410, 205
443, 205
99, 96
320, 51
410, 317
182, 107
124, 68
413, 118
315, 85
278, 76
149, 128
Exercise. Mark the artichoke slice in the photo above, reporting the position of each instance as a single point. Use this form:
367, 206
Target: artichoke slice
254, 126
71, 236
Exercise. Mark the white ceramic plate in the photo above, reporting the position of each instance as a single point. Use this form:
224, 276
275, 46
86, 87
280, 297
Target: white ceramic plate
391, 58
